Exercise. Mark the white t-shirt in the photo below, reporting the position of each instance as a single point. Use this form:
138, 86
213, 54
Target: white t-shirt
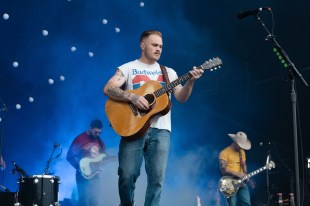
137, 73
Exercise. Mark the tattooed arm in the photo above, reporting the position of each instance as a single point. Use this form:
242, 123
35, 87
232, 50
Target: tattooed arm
226, 172
113, 90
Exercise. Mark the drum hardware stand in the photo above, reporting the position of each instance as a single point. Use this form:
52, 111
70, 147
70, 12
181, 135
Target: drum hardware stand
292, 72
16, 203
47, 169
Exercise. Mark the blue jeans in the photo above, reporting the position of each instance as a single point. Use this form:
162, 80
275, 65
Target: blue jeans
88, 190
241, 198
154, 147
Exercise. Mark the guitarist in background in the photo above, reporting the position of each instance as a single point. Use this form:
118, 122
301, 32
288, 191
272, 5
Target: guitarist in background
153, 145
88, 144
232, 163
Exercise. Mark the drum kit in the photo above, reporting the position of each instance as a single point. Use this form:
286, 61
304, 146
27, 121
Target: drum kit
34, 190
38, 190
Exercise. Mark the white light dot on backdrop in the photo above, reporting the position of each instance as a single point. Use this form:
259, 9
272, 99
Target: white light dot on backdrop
18, 106
15, 64
6, 16
141, 4
62, 78
44, 32
104, 21
73, 48
50, 81
117, 30
0, 119
31, 99
90, 54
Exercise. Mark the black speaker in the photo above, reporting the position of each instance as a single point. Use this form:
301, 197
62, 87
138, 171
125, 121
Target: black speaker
7, 198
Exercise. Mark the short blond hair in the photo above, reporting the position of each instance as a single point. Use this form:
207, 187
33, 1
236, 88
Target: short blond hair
147, 33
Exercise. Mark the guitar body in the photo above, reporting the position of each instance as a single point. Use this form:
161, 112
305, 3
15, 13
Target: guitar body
229, 186
89, 167
128, 121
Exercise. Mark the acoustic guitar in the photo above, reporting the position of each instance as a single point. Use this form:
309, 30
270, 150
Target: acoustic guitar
130, 122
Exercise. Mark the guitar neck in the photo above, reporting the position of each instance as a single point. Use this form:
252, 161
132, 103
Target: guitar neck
254, 173
169, 87
211, 64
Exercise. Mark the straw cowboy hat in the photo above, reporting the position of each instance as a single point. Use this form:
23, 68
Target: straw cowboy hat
241, 139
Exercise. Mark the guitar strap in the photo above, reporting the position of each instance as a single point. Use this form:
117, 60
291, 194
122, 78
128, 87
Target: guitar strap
241, 161
102, 147
164, 71
241, 164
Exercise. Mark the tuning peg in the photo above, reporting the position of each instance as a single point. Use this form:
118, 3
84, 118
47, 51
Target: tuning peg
215, 68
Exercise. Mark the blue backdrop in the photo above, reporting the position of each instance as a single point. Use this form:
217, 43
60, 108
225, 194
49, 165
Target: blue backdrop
56, 56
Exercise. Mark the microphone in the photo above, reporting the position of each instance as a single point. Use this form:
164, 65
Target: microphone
19, 169
244, 14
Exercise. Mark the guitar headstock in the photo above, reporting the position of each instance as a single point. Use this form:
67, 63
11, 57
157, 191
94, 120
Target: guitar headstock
212, 64
271, 165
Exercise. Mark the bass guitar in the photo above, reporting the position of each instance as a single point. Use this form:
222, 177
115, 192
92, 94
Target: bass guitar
229, 185
89, 167
130, 122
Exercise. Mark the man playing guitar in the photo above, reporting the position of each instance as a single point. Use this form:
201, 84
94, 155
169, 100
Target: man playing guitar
87, 146
232, 161
151, 144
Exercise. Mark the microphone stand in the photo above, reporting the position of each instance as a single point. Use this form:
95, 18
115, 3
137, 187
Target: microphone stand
292, 71
47, 168
267, 175
4, 188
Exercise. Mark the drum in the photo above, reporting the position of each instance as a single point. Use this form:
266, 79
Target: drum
38, 190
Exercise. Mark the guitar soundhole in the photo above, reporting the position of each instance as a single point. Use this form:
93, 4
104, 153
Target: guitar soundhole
151, 100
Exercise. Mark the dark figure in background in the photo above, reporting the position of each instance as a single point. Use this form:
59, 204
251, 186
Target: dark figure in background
153, 146
232, 161
85, 149
2, 163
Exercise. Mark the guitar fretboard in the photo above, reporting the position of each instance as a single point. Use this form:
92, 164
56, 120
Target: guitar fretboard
268, 166
169, 87
212, 63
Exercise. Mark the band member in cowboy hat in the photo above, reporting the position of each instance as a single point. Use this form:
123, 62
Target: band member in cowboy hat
232, 161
